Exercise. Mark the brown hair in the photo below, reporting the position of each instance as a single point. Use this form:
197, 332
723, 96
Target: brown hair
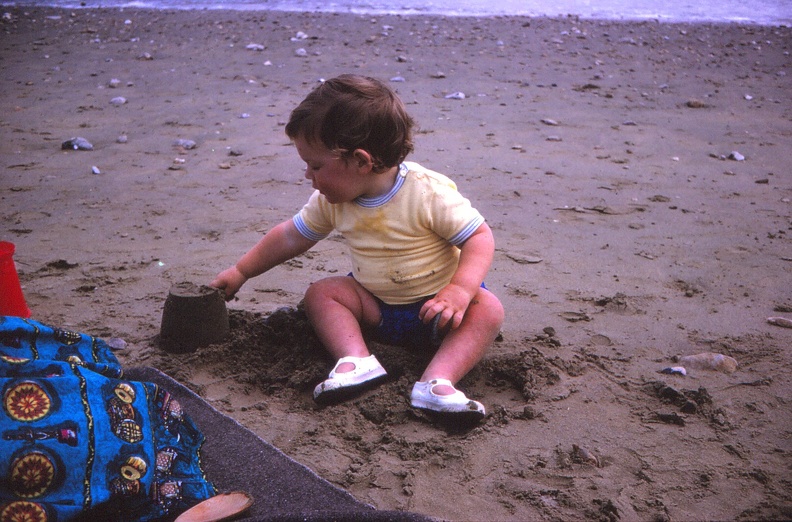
352, 112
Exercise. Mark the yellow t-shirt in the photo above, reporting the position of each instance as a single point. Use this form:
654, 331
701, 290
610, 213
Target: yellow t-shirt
404, 245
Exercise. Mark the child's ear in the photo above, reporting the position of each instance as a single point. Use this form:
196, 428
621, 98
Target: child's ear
362, 159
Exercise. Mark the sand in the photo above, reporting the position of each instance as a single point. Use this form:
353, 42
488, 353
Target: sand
601, 154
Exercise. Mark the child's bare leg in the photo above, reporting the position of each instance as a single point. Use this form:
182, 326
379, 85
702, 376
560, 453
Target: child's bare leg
464, 347
336, 308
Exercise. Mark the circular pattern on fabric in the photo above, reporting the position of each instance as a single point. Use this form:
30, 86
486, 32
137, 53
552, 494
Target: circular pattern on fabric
23, 511
31, 475
27, 402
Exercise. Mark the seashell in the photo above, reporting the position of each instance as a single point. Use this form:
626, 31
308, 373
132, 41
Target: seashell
77, 144
585, 456
710, 361
780, 321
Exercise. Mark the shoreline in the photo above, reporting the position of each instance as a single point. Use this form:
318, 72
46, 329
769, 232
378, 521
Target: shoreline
410, 12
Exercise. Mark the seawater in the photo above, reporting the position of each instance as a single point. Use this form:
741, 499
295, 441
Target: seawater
762, 12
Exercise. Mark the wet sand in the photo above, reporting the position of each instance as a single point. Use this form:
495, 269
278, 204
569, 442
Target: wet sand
601, 154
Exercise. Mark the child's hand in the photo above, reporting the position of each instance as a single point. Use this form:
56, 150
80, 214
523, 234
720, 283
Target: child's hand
450, 304
229, 281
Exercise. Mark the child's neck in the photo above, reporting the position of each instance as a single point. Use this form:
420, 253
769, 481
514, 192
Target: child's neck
381, 183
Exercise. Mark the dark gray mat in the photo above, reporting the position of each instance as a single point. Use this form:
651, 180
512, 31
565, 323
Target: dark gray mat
236, 459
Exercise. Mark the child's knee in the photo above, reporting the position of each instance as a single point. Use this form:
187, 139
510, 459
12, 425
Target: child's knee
492, 308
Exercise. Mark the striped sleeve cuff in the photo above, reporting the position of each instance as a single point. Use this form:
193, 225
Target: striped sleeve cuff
463, 235
305, 230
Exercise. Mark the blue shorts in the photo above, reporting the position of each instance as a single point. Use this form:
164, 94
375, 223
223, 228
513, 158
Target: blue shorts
401, 326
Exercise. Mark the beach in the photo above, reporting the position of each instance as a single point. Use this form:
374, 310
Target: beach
636, 177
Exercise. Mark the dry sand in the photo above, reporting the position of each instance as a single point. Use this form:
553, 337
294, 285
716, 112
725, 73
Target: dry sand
599, 154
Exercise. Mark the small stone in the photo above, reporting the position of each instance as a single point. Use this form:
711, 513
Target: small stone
439, 75
116, 343
302, 53
122, 139
455, 96
548, 121
77, 144
254, 47
118, 100
113, 83
398, 79
185, 144
95, 170
736, 156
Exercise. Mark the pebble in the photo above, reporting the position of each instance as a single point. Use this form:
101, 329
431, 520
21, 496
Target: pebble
455, 96
398, 79
254, 47
118, 100
122, 139
674, 370
302, 53
548, 121
95, 170
185, 144
77, 144
736, 156
113, 83
116, 343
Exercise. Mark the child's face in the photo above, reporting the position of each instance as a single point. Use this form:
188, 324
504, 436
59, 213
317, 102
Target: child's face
339, 180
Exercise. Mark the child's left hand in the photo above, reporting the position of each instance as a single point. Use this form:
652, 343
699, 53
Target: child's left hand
450, 304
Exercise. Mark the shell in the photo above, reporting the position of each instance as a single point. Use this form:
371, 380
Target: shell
780, 321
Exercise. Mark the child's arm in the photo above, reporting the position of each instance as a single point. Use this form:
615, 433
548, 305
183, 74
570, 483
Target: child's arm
474, 262
280, 244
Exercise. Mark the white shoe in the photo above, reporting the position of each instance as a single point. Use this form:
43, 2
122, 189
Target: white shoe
338, 386
457, 403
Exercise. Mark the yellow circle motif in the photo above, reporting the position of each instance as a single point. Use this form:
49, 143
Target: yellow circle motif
31, 475
23, 511
27, 401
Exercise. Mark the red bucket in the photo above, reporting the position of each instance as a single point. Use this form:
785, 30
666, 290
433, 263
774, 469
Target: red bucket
12, 302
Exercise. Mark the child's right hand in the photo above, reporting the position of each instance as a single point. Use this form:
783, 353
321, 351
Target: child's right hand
229, 281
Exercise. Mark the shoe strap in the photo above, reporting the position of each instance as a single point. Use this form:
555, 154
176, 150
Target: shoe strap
359, 363
436, 382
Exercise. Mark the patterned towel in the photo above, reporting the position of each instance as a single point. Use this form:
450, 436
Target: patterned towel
79, 441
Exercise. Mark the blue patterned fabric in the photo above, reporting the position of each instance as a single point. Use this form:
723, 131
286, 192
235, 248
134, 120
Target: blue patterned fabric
77, 438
